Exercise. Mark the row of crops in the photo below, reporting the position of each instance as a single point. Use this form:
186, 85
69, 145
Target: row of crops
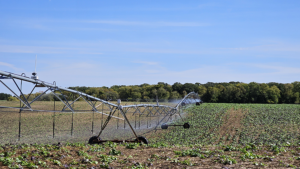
224, 124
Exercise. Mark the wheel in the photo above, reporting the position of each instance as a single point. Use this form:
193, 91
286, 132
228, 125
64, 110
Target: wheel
93, 140
186, 125
143, 139
198, 103
164, 126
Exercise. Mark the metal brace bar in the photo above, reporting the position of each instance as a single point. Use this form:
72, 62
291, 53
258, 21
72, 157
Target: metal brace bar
62, 100
148, 108
15, 95
163, 109
136, 110
98, 111
38, 97
128, 123
139, 111
29, 94
106, 121
65, 100
157, 111
143, 111
71, 103
99, 104
21, 92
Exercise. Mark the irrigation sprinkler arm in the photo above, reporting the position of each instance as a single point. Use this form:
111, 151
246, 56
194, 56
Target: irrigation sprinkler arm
51, 86
184, 98
148, 105
156, 108
98, 111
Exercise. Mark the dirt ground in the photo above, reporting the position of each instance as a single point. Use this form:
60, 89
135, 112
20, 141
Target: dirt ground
149, 157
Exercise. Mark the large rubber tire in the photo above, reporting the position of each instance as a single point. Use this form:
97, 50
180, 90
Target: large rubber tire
186, 125
164, 126
198, 103
143, 139
93, 140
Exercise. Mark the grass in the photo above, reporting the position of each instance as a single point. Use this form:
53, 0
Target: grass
38, 127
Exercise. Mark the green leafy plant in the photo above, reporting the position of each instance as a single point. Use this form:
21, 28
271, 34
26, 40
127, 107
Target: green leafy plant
56, 162
132, 145
113, 151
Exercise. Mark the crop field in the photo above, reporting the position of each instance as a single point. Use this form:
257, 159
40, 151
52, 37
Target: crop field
223, 124
221, 135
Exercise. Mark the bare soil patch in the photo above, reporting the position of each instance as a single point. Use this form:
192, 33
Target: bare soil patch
232, 123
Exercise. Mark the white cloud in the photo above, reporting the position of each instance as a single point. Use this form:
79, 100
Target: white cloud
9, 66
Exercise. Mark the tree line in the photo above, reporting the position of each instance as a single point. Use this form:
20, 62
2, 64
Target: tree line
232, 92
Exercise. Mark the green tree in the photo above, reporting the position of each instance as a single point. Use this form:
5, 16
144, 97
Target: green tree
273, 94
177, 87
11, 98
296, 86
296, 97
213, 94
228, 94
202, 90
124, 92
263, 95
174, 95
287, 93
189, 87
163, 93
4, 96
241, 93
224, 95
136, 95
184, 93
254, 92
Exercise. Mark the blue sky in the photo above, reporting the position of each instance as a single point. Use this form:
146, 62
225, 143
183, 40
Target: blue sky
104, 43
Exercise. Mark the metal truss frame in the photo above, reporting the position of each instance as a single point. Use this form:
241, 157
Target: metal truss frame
150, 110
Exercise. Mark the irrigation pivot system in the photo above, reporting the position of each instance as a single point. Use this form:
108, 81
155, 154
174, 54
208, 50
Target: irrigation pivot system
145, 110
